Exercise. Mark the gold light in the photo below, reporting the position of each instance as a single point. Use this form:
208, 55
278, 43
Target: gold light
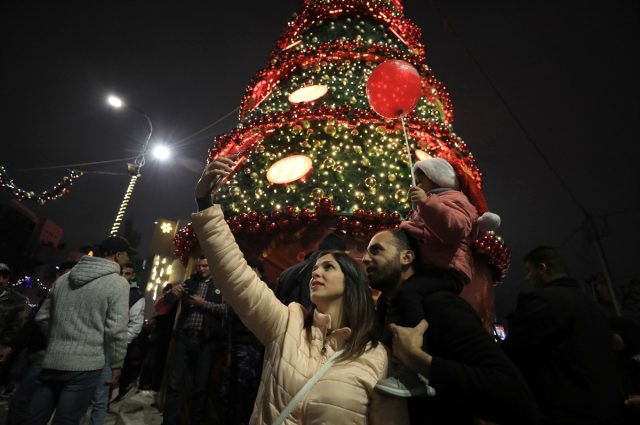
166, 227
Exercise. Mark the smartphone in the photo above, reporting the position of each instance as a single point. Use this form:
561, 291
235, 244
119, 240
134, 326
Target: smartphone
499, 331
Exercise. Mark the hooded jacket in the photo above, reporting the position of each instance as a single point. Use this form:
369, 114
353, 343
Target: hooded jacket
86, 316
344, 395
445, 225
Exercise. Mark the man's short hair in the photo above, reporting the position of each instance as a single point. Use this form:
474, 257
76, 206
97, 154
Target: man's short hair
403, 241
549, 256
202, 257
130, 265
333, 242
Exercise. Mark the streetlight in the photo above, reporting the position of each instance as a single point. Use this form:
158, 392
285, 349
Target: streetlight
132, 168
161, 152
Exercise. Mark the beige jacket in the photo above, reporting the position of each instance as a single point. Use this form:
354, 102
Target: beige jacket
344, 395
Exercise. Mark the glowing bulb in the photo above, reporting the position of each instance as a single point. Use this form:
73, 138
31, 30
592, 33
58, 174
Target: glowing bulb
161, 152
115, 101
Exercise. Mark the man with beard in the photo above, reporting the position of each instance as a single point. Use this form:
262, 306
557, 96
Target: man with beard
199, 332
472, 377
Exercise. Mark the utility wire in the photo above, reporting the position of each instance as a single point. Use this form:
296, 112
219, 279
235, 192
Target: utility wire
506, 105
110, 161
227, 115
84, 164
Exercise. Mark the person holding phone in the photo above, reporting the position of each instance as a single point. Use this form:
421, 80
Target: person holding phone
199, 332
339, 330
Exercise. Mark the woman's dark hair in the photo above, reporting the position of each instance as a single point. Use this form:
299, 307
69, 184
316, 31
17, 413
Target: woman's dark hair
358, 311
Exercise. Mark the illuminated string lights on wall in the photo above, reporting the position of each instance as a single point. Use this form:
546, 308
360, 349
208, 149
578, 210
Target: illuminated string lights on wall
160, 275
124, 205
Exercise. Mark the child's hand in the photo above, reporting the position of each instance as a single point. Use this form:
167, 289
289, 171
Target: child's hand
219, 167
417, 194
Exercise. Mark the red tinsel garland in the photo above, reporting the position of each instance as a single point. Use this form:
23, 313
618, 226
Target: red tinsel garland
313, 12
58, 190
360, 224
435, 137
263, 83
494, 248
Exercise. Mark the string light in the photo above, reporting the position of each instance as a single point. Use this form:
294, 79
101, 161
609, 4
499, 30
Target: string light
160, 275
360, 174
124, 205
58, 190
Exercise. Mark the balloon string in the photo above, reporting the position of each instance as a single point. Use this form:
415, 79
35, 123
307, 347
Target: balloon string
406, 141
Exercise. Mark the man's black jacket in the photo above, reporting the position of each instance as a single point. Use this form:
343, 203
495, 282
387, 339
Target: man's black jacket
472, 377
561, 341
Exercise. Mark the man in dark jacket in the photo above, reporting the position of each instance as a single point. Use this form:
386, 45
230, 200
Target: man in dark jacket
471, 376
561, 341
199, 331
13, 312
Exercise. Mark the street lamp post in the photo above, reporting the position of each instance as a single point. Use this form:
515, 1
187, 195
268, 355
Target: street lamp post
132, 168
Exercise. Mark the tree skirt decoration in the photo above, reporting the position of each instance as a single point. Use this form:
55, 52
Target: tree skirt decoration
54, 193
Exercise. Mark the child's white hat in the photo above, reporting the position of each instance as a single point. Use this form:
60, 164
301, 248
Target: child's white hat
439, 171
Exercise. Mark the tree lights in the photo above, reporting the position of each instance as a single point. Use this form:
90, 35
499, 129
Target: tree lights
310, 104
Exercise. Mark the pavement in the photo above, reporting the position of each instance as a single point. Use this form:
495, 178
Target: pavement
137, 408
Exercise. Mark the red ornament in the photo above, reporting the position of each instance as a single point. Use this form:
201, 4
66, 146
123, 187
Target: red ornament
284, 224
324, 202
368, 215
394, 88
276, 215
395, 216
255, 227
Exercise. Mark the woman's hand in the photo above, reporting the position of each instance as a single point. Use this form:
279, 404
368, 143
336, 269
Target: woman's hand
209, 182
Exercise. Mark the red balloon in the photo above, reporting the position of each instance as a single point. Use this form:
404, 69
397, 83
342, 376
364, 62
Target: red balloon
394, 88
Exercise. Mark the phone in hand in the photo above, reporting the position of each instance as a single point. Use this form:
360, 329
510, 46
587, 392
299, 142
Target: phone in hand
499, 331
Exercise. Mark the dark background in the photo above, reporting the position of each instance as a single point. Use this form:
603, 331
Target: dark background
566, 71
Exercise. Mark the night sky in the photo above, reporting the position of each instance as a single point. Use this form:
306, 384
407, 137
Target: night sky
566, 70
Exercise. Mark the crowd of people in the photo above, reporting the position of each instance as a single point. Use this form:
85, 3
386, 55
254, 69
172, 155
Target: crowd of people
226, 347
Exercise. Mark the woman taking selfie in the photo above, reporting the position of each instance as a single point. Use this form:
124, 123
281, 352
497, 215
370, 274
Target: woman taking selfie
338, 332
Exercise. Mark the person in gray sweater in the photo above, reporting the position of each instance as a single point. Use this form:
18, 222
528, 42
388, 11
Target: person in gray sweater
86, 319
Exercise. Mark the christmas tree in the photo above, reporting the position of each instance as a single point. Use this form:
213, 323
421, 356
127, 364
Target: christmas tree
313, 153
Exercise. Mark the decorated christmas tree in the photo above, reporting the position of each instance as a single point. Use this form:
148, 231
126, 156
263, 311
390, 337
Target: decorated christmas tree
315, 156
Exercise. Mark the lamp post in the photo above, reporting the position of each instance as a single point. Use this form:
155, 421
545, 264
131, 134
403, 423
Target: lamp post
132, 168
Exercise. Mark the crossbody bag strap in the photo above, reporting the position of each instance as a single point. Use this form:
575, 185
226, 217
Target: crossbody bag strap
305, 389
